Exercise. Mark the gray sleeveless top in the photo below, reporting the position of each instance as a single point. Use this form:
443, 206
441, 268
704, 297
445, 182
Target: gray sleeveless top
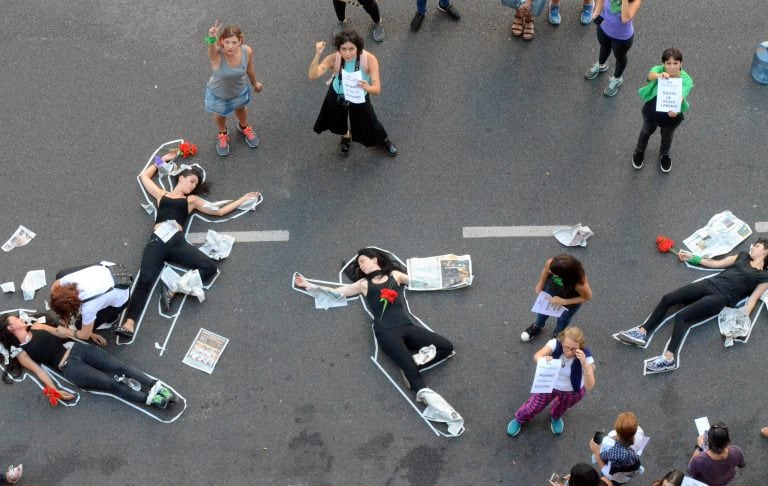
228, 82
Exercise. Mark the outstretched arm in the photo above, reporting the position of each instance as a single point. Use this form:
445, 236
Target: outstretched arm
213, 51
348, 290
684, 256
755, 298
199, 204
30, 365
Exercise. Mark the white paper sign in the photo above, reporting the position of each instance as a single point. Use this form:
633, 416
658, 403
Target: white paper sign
688, 481
546, 375
544, 305
352, 92
669, 95
702, 425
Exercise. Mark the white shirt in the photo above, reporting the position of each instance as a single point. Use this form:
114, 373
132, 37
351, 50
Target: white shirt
92, 281
563, 382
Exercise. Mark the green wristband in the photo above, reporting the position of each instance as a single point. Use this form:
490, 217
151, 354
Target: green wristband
210, 40
695, 260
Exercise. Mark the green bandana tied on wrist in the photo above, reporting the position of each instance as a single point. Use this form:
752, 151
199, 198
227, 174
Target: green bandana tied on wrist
695, 260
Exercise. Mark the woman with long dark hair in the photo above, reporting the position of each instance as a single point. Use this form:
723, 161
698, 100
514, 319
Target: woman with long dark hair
564, 279
715, 460
379, 280
167, 243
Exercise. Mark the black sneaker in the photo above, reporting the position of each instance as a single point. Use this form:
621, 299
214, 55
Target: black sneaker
417, 21
389, 148
530, 332
450, 10
665, 163
637, 160
344, 146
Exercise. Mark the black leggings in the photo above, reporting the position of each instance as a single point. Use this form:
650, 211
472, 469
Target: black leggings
92, 368
619, 48
700, 300
370, 6
176, 250
400, 344
651, 120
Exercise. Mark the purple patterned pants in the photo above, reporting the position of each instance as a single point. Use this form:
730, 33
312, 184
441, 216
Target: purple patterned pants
561, 401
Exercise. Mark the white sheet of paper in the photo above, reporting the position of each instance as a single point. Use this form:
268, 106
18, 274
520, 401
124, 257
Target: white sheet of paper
702, 425
352, 92
639, 445
33, 280
688, 481
546, 375
8, 287
20, 237
669, 95
543, 305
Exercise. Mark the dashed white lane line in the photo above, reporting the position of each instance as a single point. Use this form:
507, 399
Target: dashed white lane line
244, 236
508, 231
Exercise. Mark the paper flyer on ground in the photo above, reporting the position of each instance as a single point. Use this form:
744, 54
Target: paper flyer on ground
439, 272
205, 351
723, 233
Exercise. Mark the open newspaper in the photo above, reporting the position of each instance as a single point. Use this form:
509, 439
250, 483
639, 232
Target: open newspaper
205, 351
444, 272
721, 234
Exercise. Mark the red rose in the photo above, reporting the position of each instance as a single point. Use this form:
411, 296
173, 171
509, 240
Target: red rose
665, 245
52, 394
388, 295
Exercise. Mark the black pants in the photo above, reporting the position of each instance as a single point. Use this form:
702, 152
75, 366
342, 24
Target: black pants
700, 300
619, 48
651, 120
370, 6
92, 368
400, 344
176, 250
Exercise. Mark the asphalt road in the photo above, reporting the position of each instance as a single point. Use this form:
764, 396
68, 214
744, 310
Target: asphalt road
491, 131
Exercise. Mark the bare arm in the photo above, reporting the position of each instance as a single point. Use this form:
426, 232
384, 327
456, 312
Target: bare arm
598, 8
544, 352
29, 364
199, 204
629, 10
317, 68
374, 86
755, 297
348, 290
251, 71
585, 294
595, 448
148, 182
401, 278
684, 256
588, 369
213, 49
545, 273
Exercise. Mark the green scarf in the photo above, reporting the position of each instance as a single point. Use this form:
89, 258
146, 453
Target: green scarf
615, 6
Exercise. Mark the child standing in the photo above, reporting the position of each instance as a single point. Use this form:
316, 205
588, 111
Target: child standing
672, 67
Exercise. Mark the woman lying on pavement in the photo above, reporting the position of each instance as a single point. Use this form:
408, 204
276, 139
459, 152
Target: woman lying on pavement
84, 365
743, 273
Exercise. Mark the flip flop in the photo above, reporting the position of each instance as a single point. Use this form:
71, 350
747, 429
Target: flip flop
123, 331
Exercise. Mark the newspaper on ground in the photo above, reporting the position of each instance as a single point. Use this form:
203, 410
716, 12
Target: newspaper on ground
326, 298
20, 237
733, 324
439, 410
444, 272
573, 235
8, 287
149, 208
34, 280
723, 233
217, 245
190, 283
205, 351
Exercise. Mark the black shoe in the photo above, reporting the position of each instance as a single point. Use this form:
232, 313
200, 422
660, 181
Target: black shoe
124, 332
344, 146
450, 10
530, 332
665, 163
389, 148
637, 160
416, 22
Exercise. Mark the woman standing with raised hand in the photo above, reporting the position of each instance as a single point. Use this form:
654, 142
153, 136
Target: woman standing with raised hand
227, 89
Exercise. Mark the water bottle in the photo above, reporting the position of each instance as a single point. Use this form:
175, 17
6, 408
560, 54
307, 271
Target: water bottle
135, 385
760, 64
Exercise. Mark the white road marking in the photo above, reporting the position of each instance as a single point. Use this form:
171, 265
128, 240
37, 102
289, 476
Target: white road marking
244, 236
508, 231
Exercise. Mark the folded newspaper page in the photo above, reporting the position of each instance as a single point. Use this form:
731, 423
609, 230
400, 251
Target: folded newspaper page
444, 272
721, 234
20, 237
205, 351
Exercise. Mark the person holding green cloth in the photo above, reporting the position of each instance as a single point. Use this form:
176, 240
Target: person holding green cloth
672, 67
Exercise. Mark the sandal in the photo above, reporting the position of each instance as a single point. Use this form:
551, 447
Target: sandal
528, 27
124, 331
517, 24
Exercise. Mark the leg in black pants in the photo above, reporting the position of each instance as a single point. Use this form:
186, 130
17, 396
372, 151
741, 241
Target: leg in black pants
402, 342
619, 48
708, 306
370, 6
649, 127
92, 368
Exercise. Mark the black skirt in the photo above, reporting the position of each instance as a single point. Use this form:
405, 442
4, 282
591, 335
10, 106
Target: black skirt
365, 127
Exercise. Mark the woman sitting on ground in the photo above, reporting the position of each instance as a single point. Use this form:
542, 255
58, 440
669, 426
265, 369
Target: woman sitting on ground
167, 242
82, 364
744, 273
379, 279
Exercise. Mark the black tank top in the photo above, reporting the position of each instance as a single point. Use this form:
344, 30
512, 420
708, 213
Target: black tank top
46, 349
171, 209
394, 315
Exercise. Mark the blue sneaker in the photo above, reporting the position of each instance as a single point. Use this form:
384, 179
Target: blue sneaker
554, 14
586, 13
660, 364
514, 428
557, 426
633, 336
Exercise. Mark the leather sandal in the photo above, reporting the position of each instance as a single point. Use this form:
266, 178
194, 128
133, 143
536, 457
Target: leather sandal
528, 27
124, 331
517, 24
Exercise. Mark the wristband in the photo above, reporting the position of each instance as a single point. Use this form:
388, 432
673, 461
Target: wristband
695, 260
210, 40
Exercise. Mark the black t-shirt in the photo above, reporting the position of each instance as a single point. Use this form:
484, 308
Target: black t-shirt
394, 315
45, 349
740, 279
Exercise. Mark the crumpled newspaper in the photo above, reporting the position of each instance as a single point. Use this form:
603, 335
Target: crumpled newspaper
733, 323
439, 410
217, 246
425, 355
573, 235
326, 298
149, 208
34, 280
190, 283
8, 287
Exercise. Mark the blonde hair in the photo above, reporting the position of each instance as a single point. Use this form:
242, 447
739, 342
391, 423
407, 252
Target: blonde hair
574, 334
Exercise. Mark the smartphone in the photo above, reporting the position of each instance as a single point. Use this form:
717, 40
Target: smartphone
598, 438
555, 478
598, 20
